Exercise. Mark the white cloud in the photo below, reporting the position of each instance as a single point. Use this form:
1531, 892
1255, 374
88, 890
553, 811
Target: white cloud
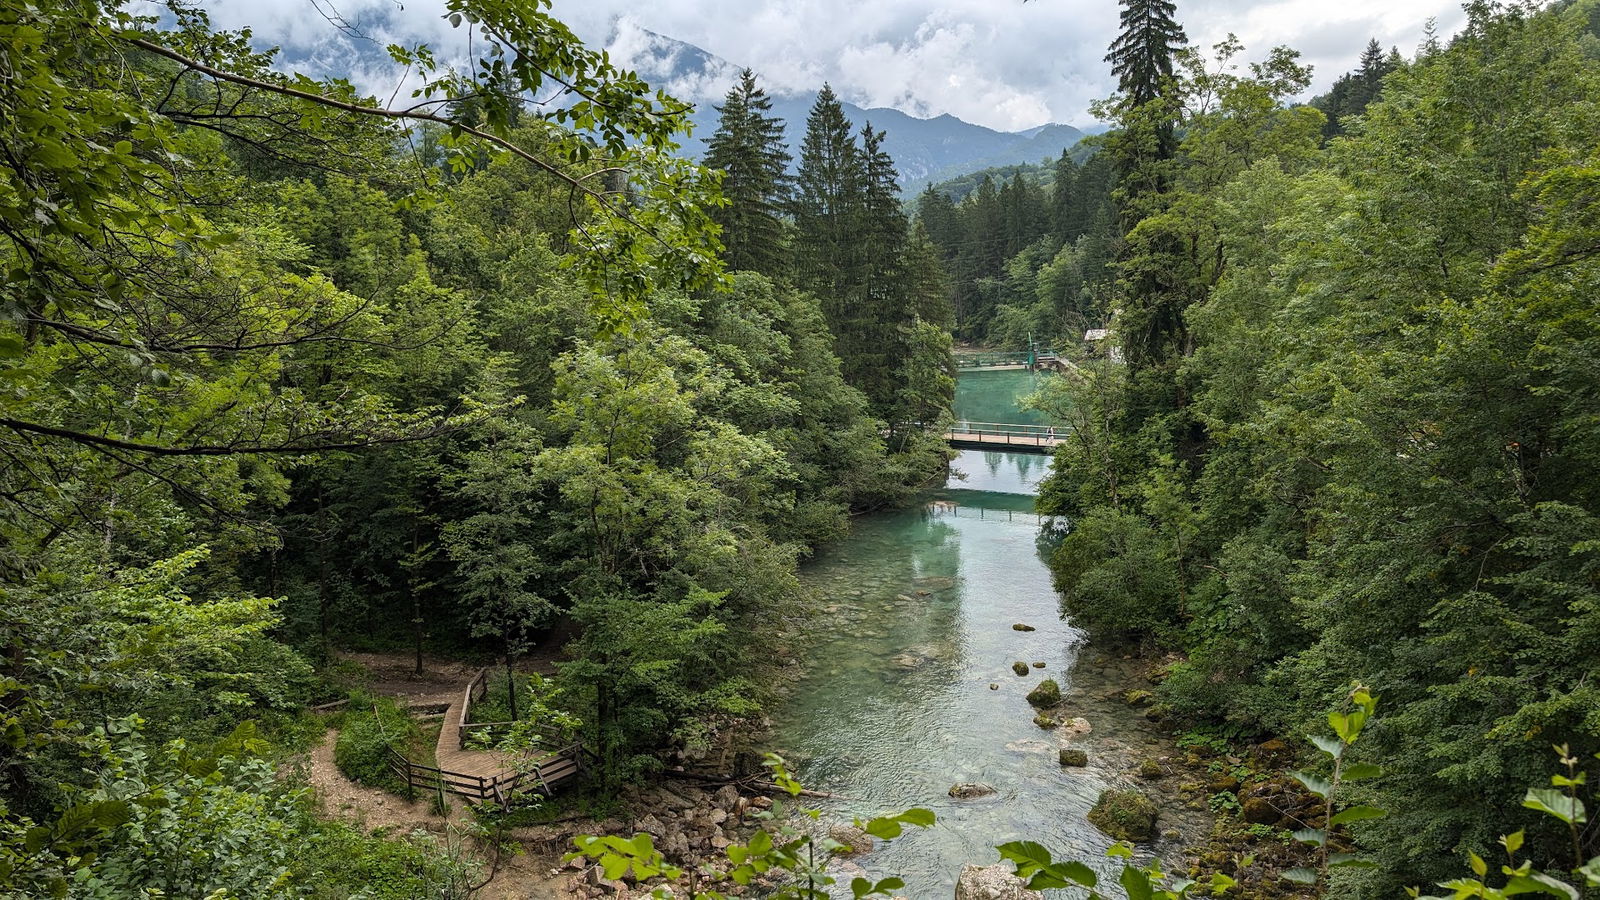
1006, 64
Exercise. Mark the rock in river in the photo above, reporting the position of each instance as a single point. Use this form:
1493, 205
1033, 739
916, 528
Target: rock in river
1019, 667
1125, 815
1021, 627
994, 882
969, 790
854, 839
1071, 756
1046, 694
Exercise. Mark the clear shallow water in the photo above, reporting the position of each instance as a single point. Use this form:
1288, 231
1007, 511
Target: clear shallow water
896, 706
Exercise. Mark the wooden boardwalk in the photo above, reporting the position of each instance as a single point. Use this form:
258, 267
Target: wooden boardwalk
487, 776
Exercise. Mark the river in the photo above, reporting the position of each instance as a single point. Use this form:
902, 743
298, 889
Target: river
896, 705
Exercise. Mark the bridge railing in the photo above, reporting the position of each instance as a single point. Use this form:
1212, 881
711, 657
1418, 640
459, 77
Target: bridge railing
1007, 429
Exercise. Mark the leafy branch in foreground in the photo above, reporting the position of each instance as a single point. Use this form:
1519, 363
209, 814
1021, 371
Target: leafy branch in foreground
778, 847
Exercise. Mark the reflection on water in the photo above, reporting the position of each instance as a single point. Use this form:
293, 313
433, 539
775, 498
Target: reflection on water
999, 473
897, 705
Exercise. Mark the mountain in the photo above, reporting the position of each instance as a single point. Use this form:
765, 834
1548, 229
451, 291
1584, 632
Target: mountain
924, 150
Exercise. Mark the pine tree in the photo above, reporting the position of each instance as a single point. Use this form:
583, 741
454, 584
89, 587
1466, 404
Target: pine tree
1066, 208
1142, 59
1354, 90
826, 193
1141, 56
748, 147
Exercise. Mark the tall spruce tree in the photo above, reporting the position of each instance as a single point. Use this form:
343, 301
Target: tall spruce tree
1142, 59
748, 147
1141, 56
827, 191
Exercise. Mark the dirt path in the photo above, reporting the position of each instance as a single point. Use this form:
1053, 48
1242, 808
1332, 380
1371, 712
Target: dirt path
372, 808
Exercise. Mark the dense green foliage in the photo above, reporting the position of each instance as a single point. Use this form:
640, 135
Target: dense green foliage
1353, 437
281, 376
368, 729
1025, 260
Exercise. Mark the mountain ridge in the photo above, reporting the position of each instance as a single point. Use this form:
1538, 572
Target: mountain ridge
925, 150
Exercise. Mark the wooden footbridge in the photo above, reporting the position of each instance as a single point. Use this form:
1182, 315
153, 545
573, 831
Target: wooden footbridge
1040, 439
484, 775
1036, 358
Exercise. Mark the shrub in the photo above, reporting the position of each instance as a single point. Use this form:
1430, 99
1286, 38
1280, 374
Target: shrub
1127, 815
371, 726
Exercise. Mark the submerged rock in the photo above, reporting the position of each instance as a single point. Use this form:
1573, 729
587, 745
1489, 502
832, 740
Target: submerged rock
855, 840
1019, 667
1046, 694
969, 790
1078, 725
1038, 664
1071, 756
996, 882
1125, 815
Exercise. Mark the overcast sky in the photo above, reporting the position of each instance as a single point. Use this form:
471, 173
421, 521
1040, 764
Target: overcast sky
1006, 64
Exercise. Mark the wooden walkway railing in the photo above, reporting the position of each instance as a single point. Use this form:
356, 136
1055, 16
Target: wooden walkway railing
543, 774
557, 758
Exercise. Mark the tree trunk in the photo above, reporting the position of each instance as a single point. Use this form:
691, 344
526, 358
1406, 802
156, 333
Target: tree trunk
511, 686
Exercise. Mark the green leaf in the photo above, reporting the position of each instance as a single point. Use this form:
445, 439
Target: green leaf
1512, 842
1360, 771
1313, 836
1330, 746
1356, 814
1539, 883
883, 828
860, 887
614, 865
1301, 875
1077, 872
922, 818
1136, 882
1025, 853
1314, 784
1591, 871
1479, 867
1548, 800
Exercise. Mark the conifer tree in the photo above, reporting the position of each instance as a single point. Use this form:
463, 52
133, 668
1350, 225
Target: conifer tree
748, 147
1142, 59
1066, 208
1141, 56
826, 192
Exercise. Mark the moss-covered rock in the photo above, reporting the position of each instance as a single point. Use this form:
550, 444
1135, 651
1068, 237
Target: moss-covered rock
1072, 756
1021, 627
1044, 721
1125, 815
1138, 697
1046, 694
1019, 667
1150, 768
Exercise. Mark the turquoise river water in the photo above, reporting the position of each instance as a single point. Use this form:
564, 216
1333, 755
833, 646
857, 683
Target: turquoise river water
896, 704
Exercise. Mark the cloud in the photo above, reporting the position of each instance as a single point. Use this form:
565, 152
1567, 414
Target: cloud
1007, 64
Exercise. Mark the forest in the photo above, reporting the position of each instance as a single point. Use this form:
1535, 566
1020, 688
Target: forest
288, 372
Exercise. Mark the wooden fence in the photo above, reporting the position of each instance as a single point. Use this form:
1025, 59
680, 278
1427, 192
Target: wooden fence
542, 776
